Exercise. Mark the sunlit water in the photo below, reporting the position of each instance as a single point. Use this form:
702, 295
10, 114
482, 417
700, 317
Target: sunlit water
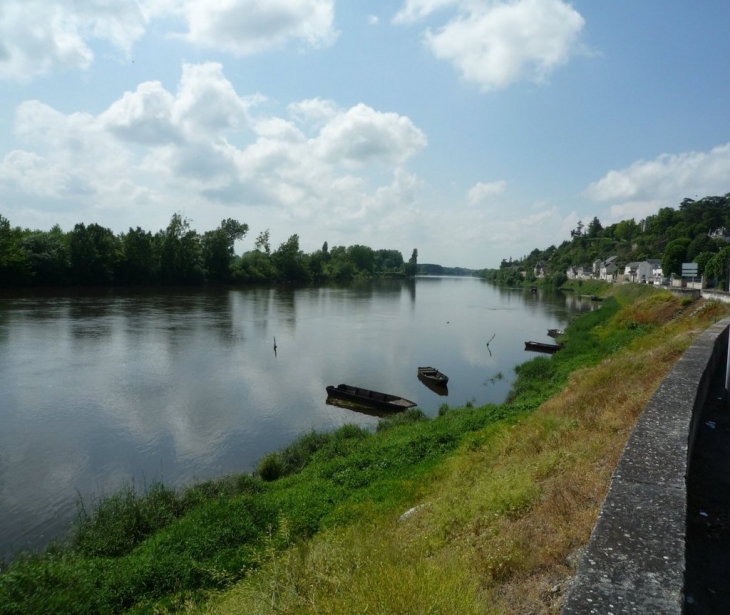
98, 390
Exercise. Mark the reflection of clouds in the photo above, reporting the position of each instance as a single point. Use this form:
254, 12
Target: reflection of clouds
184, 384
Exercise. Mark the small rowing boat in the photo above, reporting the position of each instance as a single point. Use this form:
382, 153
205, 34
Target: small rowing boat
432, 375
372, 399
540, 347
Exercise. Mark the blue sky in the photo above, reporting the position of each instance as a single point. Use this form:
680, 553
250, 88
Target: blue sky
473, 130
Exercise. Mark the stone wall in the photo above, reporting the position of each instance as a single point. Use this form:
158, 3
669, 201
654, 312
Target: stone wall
634, 562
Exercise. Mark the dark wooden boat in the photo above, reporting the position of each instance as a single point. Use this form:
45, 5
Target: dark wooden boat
372, 399
596, 298
433, 376
540, 347
555, 332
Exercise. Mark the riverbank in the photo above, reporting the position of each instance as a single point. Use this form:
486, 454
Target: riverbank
495, 487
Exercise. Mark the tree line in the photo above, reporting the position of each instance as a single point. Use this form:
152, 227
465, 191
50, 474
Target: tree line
696, 231
92, 255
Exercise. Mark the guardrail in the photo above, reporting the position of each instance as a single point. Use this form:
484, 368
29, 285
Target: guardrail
635, 559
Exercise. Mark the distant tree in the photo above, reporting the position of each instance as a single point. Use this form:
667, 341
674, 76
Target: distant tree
140, 257
717, 267
289, 261
13, 259
594, 228
94, 252
218, 248
181, 259
412, 266
47, 257
262, 242
362, 257
701, 243
702, 259
388, 261
578, 232
674, 255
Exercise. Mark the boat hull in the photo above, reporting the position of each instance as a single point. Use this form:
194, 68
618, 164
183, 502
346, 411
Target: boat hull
371, 399
540, 347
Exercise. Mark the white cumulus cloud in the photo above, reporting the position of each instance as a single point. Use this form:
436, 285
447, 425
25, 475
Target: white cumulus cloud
413, 10
647, 185
157, 152
497, 43
482, 192
244, 27
40, 36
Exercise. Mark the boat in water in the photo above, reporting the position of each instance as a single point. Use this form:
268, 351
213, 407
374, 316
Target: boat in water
540, 347
432, 375
372, 399
555, 332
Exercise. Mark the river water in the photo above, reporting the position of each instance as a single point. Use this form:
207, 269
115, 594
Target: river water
102, 389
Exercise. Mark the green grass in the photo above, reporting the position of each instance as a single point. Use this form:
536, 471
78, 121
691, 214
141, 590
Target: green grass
164, 549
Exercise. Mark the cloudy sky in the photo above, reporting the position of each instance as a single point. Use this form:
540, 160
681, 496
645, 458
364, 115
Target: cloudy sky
473, 130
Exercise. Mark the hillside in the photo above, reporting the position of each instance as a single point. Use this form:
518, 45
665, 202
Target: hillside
697, 231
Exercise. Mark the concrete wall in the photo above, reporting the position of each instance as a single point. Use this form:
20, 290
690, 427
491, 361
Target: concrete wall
634, 562
717, 295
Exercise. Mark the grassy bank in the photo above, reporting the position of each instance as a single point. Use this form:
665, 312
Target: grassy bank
506, 493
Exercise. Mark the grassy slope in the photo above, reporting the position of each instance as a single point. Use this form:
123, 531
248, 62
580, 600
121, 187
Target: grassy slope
508, 493
504, 517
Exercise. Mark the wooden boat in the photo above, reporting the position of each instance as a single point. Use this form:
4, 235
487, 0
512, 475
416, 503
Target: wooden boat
540, 347
356, 407
555, 332
366, 397
432, 375
596, 298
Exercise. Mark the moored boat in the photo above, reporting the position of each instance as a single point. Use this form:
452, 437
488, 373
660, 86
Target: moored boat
432, 375
540, 347
366, 397
555, 332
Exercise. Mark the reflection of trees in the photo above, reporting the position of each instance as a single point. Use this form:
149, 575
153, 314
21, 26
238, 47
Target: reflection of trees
285, 303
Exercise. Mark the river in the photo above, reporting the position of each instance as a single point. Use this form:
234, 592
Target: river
106, 388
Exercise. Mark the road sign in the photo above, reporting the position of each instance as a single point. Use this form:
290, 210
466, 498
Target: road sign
689, 270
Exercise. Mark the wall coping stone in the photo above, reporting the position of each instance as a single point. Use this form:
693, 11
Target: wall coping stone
635, 559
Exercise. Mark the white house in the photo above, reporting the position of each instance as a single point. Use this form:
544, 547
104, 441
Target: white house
642, 272
607, 271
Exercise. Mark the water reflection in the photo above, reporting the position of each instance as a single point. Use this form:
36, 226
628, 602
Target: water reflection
182, 385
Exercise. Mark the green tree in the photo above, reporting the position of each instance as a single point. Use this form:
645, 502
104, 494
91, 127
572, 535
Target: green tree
701, 243
140, 257
262, 242
289, 261
218, 248
717, 267
13, 259
594, 228
674, 255
181, 260
94, 252
411, 266
48, 257
362, 257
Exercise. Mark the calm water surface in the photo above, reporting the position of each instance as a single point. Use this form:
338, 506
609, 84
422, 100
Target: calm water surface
99, 390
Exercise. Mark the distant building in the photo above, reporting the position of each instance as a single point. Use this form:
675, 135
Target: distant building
643, 272
608, 269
